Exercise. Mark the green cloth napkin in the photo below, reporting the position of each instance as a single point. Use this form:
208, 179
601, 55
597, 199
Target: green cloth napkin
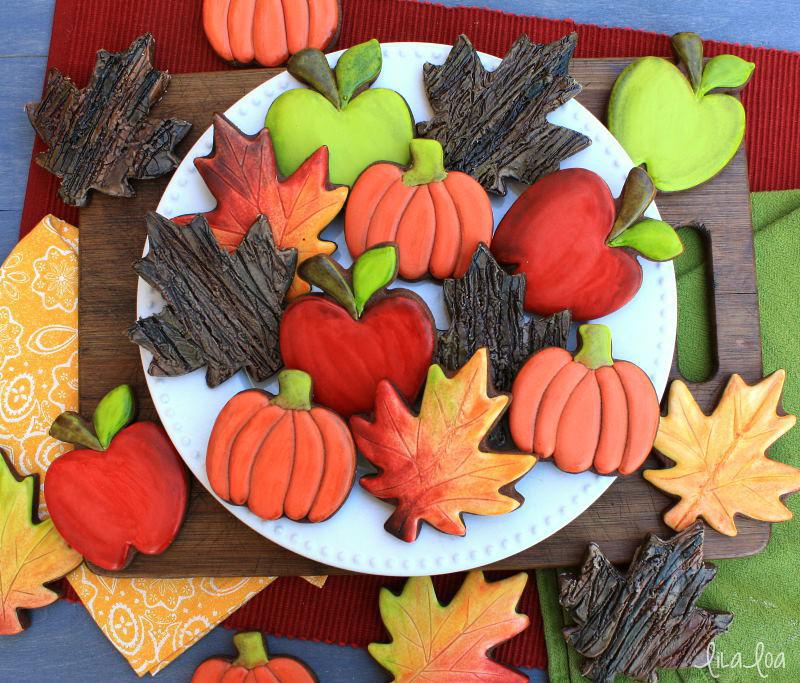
762, 591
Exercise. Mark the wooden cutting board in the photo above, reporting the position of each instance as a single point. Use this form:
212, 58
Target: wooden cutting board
213, 542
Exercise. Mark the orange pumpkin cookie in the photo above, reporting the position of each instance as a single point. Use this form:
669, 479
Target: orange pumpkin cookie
252, 665
587, 412
437, 218
281, 455
269, 31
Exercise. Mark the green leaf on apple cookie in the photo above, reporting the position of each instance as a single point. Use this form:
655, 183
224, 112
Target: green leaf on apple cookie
373, 270
725, 71
655, 240
115, 410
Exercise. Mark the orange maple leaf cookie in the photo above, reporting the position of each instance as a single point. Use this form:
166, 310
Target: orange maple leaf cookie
32, 553
721, 467
440, 643
242, 174
433, 465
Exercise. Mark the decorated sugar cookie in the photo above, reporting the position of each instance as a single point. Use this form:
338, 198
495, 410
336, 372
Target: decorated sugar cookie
101, 137
32, 553
281, 455
434, 466
357, 332
449, 643
436, 217
683, 130
124, 491
485, 307
576, 247
358, 124
242, 174
635, 623
252, 665
223, 309
269, 31
492, 124
586, 412
721, 467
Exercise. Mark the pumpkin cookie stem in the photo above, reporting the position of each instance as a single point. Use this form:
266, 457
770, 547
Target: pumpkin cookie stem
295, 390
637, 194
689, 48
427, 163
595, 349
251, 649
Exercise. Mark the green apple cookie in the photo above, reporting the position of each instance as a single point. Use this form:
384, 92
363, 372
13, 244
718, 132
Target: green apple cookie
670, 123
358, 124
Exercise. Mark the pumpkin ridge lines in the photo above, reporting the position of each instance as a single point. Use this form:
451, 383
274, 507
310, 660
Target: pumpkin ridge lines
258, 450
309, 26
293, 461
402, 212
566, 400
252, 27
369, 237
461, 222
593, 375
285, 27
229, 448
324, 461
628, 413
435, 224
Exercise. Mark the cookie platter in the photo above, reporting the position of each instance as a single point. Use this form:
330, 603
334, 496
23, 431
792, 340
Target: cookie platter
354, 539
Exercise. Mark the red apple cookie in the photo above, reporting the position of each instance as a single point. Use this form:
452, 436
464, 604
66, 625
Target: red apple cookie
437, 218
358, 333
281, 455
586, 412
576, 249
125, 492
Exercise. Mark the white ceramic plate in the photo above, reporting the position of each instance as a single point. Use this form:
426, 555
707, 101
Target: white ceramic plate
354, 539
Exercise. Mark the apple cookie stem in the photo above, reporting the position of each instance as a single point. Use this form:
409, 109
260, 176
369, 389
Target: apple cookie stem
655, 240
637, 194
689, 48
355, 71
373, 270
595, 351
295, 390
427, 163
114, 411
251, 649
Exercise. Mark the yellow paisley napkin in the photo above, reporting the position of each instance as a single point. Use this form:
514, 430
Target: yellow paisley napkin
150, 621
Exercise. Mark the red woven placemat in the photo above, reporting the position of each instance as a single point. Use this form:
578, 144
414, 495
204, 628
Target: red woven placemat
345, 611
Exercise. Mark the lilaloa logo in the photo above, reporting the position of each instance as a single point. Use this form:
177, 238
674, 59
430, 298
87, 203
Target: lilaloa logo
762, 662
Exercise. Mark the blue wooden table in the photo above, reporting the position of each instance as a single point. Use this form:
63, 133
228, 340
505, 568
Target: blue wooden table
63, 643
